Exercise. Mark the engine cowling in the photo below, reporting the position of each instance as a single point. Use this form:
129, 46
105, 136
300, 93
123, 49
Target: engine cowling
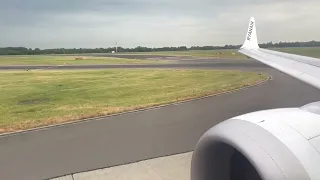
278, 144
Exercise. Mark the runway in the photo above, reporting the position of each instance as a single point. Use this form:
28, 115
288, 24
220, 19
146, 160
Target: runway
174, 63
135, 136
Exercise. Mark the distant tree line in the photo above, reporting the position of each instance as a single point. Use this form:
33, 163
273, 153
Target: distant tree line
36, 51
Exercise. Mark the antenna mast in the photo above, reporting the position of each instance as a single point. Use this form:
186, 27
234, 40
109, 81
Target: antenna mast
116, 46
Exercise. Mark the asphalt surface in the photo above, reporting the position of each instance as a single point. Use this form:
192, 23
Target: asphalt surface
174, 63
127, 56
141, 135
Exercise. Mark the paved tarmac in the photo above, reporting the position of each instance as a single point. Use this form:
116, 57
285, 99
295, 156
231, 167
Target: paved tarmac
174, 63
136, 136
175, 167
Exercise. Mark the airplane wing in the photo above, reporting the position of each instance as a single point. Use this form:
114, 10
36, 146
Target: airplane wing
304, 68
274, 144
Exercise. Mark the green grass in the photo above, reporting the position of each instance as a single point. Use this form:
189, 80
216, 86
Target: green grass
35, 98
225, 53
305, 51
215, 54
67, 60
233, 54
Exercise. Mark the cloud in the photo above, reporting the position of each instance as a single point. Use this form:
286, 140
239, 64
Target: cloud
100, 23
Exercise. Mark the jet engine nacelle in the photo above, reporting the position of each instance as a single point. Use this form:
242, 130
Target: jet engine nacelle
279, 144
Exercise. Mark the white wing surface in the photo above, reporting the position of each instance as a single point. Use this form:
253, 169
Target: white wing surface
304, 68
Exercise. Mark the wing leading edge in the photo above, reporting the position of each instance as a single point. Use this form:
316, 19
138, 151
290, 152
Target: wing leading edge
304, 68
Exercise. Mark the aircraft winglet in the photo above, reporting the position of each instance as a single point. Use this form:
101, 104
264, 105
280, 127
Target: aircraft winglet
251, 41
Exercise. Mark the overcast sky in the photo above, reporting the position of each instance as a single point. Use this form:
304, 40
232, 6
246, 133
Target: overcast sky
153, 23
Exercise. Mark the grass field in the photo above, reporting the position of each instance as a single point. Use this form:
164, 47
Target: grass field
35, 98
65, 60
232, 53
225, 53
305, 51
